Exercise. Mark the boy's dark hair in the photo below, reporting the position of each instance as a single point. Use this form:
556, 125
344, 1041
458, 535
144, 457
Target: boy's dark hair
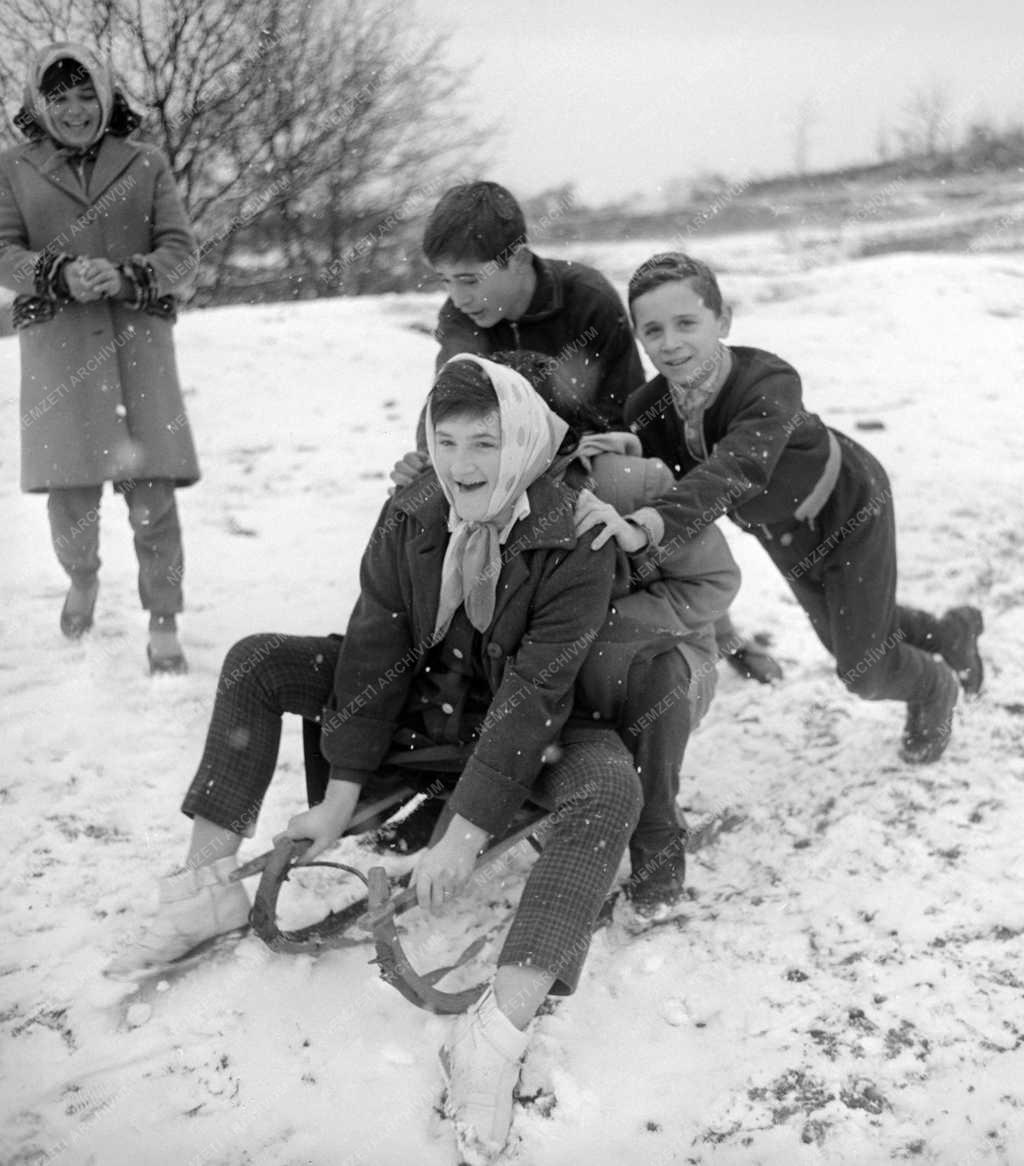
675, 267
478, 221
462, 389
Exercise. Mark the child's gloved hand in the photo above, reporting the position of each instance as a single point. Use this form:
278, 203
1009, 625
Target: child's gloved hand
591, 512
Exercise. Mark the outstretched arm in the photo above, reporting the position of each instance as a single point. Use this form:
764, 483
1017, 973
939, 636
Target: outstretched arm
741, 466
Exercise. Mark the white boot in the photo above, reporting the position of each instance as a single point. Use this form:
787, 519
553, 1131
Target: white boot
480, 1063
195, 905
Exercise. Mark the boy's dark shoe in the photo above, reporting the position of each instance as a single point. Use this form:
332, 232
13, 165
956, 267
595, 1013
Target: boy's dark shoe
410, 834
658, 878
751, 660
930, 722
959, 630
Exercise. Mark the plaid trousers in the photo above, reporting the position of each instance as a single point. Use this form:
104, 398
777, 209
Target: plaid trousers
263, 677
596, 796
592, 788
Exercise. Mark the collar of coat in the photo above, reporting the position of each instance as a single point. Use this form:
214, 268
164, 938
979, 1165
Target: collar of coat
550, 523
114, 156
547, 298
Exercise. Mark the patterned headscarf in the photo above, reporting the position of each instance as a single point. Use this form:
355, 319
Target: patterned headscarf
530, 436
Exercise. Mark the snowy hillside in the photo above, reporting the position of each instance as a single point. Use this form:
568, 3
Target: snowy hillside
846, 985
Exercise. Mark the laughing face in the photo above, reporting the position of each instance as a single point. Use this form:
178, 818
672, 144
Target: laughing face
75, 113
679, 332
467, 452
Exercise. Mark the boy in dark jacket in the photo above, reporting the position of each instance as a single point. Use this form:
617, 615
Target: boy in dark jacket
503, 297
731, 424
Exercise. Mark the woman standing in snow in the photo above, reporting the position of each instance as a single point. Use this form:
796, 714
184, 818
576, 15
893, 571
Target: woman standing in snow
96, 245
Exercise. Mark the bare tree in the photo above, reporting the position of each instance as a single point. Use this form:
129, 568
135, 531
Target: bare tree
326, 117
926, 128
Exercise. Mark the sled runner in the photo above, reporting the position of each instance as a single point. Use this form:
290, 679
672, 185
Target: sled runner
376, 911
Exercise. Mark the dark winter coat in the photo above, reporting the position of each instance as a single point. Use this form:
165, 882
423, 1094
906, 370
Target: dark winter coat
576, 317
553, 597
765, 454
100, 398
686, 585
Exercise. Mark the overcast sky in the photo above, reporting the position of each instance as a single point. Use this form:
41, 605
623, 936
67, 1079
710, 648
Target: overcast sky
621, 97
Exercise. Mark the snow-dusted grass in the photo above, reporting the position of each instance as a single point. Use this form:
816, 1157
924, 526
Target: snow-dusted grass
846, 984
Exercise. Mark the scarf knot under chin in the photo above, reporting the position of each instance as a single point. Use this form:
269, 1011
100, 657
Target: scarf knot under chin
530, 436
471, 566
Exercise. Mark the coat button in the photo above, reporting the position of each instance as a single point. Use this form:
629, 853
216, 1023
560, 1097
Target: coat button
447, 708
493, 650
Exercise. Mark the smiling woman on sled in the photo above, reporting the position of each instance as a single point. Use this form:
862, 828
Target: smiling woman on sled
477, 608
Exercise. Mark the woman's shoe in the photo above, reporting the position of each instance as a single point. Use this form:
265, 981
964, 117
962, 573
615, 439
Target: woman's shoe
79, 605
164, 650
480, 1063
174, 664
195, 905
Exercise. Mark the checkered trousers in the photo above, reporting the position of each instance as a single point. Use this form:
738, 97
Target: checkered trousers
263, 677
597, 798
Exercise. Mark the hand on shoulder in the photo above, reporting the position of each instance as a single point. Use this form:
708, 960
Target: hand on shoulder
591, 513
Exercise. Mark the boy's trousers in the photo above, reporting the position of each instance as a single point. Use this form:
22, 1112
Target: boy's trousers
842, 570
655, 725
592, 787
153, 513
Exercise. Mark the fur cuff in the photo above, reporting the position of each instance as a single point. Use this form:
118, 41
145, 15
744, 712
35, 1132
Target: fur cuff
48, 277
140, 290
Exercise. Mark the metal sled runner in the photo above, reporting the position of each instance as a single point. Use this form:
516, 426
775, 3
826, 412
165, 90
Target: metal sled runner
376, 913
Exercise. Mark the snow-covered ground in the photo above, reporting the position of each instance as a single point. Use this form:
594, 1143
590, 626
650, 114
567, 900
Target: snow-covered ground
846, 985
